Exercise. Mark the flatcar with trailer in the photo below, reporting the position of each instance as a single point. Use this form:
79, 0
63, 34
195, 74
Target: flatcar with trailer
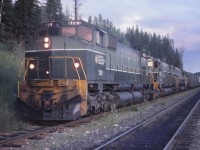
74, 68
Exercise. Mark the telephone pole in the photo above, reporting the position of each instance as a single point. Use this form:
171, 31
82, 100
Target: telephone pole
76, 10
1, 7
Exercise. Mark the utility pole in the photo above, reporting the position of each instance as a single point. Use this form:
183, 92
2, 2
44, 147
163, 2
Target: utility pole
76, 10
1, 7
1, 25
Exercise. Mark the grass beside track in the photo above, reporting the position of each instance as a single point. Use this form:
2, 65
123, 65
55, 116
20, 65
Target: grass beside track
9, 69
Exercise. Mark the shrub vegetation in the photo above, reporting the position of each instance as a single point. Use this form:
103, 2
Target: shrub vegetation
9, 68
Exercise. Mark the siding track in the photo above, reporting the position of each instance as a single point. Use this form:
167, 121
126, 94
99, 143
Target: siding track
157, 131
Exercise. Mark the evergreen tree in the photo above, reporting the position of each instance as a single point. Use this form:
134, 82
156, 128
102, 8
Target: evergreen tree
90, 19
7, 20
159, 47
27, 15
146, 43
103, 25
54, 10
130, 36
100, 20
153, 44
95, 21
136, 38
67, 13
43, 13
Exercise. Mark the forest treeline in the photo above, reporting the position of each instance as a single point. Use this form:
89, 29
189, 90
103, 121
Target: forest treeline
19, 20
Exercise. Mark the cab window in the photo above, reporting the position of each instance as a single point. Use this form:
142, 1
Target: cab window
68, 31
49, 29
99, 36
85, 33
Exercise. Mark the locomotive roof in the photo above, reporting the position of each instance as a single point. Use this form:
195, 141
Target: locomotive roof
66, 23
71, 23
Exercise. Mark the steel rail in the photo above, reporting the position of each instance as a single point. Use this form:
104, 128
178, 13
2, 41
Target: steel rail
83, 120
146, 122
171, 142
30, 134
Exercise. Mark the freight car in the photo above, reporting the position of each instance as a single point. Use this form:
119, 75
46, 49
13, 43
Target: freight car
74, 68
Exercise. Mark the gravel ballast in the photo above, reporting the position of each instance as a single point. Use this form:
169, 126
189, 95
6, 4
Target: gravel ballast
90, 135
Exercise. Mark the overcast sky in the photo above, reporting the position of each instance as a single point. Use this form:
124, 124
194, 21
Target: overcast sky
178, 18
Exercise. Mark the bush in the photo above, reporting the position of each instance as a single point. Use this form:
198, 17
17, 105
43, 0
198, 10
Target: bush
12, 47
10, 122
9, 69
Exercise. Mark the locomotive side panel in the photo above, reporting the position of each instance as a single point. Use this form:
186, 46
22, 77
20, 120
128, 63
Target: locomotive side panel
96, 66
127, 67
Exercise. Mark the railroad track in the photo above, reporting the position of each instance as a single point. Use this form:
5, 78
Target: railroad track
11, 140
156, 132
184, 137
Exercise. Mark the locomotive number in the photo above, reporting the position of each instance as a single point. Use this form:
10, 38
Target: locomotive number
99, 59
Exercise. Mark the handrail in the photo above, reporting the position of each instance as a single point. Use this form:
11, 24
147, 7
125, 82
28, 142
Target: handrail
133, 69
19, 75
25, 72
82, 67
28, 64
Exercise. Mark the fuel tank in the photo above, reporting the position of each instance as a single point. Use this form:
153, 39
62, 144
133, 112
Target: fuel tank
127, 98
122, 87
137, 97
166, 91
122, 99
138, 87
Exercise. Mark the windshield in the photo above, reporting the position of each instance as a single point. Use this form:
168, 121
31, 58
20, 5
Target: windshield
66, 29
85, 33
49, 29
49, 32
82, 32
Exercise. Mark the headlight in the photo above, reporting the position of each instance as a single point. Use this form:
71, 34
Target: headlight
46, 45
77, 65
47, 72
31, 66
46, 39
46, 42
150, 63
